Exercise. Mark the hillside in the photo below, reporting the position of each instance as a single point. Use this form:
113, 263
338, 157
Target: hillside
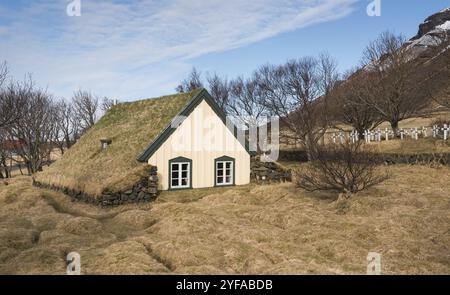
131, 126
429, 56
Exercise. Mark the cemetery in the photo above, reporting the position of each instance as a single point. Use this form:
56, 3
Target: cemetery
378, 135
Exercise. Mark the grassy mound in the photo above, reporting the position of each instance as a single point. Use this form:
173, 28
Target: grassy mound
131, 127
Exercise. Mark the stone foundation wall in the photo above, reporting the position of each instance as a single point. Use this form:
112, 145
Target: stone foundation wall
293, 155
416, 159
382, 158
268, 172
145, 190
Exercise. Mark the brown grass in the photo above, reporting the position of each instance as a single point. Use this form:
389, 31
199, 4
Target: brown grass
244, 230
131, 127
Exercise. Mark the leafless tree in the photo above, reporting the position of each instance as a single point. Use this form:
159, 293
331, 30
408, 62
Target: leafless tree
343, 168
3, 73
328, 78
11, 97
297, 93
107, 103
192, 82
67, 126
391, 68
246, 102
35, 129
216, 85
219, 89
85, 106
5, 168
349, 98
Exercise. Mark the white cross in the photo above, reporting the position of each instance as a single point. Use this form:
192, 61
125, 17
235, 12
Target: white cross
386, 134
378, 134
333, 137
367, 136
435, 130
402, 132
414, 133
353, 136
446, 129
424, 131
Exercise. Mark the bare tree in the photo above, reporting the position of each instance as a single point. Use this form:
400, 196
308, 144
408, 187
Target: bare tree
3, 73
192, 82
350, 96
11, 98
35, 130
343, 168
328, 78
217, 86
67, 126
219, 89
107, 103
5, 168
297, 93
246, 102
85, 106
390, 67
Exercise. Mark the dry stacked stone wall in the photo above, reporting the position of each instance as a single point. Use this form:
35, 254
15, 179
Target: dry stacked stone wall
268, 172
144, 190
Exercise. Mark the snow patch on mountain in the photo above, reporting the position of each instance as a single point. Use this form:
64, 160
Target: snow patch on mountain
444, 26
426, 40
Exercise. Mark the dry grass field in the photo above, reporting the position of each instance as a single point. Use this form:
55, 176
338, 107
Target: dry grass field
271, 229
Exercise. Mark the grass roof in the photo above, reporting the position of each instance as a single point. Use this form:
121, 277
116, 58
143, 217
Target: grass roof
131, 126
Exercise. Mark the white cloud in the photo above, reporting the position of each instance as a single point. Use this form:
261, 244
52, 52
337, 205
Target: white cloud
142, 48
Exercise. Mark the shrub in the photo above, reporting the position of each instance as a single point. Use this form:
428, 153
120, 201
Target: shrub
343, 168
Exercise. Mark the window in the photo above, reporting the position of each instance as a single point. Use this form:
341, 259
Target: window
180, 175
224, 171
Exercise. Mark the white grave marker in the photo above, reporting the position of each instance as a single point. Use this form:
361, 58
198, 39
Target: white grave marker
402, 133
435, 130
446, 129
386, 134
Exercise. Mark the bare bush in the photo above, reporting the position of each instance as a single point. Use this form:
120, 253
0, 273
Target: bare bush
343, 168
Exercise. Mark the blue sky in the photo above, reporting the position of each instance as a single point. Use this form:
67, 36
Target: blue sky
137, 49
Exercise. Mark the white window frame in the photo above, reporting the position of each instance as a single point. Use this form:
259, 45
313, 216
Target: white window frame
179, 178
224, 175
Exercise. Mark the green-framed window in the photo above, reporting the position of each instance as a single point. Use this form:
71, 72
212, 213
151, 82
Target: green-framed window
224, 171
180, 173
